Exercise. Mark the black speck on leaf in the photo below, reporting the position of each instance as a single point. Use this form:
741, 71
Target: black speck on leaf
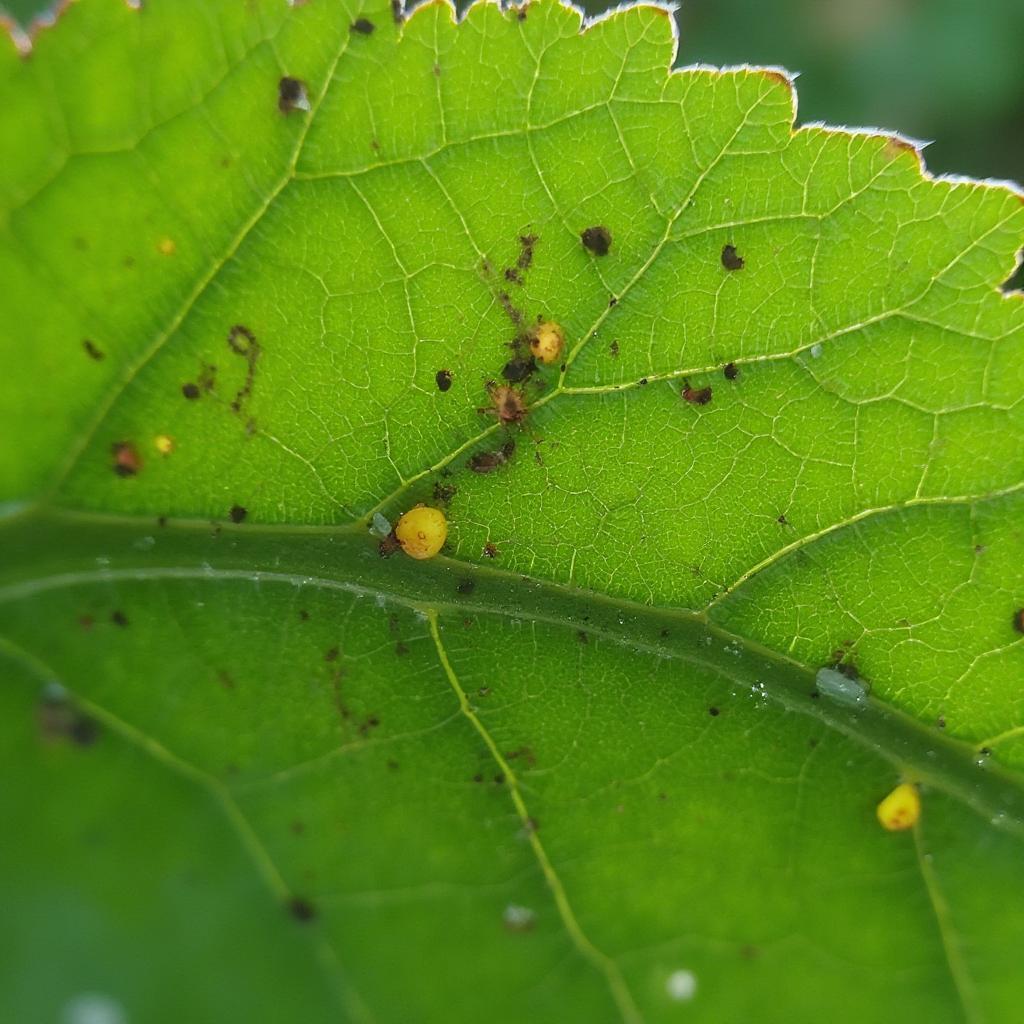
443, 379
118, 618
291, 95
466, 587
363, 26
301, 909
238, 513
518, 369
1018, 620
730, 371
695, 396
597, 239
731, 259
92, 350
190, 391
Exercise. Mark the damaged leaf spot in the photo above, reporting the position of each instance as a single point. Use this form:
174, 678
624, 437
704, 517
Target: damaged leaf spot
127, 461
237, 513
443, 379
730, 371
301, 909
695, 396
518, 919
243, 343
60, 719
731, 259
291, 95
190, 391
714, 712
466, 587
443, 493
92, 350
363, 26
422, 531
518, 369
488, 462
597, 239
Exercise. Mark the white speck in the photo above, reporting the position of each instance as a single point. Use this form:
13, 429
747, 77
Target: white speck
103, 563
143, 543
53, 692
380, 600
842, 689
816, 351
379, 525
93, 1008
681, 986
517, 918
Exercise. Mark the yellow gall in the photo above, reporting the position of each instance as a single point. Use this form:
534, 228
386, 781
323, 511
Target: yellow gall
901, 808
422, 531
547, 340
164, 444
167, 246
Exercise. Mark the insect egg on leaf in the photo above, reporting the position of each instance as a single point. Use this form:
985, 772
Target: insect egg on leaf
422, 531
547, 340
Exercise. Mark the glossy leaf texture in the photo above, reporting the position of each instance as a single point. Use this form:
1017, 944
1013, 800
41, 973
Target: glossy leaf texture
270, 275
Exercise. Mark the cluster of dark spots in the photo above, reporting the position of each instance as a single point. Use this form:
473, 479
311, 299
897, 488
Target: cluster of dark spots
524, 260
642, 381
731, 259
488, 462
519, 369
511, 310
730, 371
695, 396
490, 550
522, 752
60, 719
581, 635
613, 301
190, 391
363, 26
371, 723
291, 95
127, 461
91, 350
401, 649
713, 711
843, 665
443, 379
237, 513
243, 343
597, 239
614, 349
118, 618
301, 909
443, 493
331, 654
467, 623
1018, 620
508, 405
225, 679
466, 587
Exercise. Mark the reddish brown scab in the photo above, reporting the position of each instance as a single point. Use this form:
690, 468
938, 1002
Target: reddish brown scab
695, 396
127, 461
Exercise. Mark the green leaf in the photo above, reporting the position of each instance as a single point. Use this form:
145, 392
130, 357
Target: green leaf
583, 765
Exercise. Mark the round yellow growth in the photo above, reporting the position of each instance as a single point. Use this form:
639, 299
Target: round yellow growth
901, 808
422, 531
164, 444
167, 246
547, 341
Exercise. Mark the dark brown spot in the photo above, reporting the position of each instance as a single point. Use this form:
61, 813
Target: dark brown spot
291, 95
363, 26
782, 520
730, 371
393, 765
613, 301
597, 239
511, 311
243, 343
331, 654
614, 349
518, 369
507, 404
118, 618
815, 694
812, 743
91, 350
237, 513
643, 380
695, 396
1018, 620
388, 545
521, 12
490, 550
301, 910
488, 462
731, 259
161, 521
190, 391
522, 752
714, 712
499, 779
466, 587
478, 777
443, 379
297, 827
525, 259
127, 461
371, 723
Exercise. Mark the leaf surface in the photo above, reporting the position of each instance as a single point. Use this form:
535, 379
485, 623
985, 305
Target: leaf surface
582, 765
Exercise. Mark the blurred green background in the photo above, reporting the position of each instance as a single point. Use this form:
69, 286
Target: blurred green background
951, 71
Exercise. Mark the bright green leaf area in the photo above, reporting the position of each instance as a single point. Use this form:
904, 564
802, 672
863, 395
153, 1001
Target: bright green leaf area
577, 768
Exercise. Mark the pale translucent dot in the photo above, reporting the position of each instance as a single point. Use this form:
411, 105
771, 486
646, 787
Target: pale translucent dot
93, 1008
816, 351
681, 986
517, 918
379, 526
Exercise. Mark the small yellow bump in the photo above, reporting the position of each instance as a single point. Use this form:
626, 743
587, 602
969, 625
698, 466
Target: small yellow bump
422, 531
547, 340
164, 444
167, 246
901, 808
